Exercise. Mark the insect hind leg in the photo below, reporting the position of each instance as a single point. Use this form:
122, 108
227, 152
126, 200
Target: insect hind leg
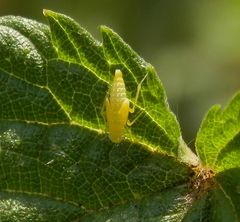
132, 110
130, 123
104, 108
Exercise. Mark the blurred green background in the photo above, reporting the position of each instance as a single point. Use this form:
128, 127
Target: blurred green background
194, 45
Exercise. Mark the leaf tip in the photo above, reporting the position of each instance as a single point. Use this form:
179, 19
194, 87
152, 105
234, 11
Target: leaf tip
104, 29
47, 12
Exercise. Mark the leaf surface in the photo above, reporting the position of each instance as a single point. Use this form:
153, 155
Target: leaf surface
56, 160
218, 145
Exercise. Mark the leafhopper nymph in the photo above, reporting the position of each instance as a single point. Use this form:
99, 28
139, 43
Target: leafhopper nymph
117, 107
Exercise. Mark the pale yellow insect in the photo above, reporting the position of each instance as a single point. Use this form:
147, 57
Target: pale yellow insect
118, 107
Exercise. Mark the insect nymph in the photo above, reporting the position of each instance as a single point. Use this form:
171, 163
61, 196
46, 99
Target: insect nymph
118, 107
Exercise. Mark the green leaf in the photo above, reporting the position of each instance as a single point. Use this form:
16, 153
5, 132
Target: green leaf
227, 196
56, 160
27, 207
218, 141
217, 144
87, 62
168, 206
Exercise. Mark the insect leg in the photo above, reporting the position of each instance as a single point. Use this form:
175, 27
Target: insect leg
130, 123
131, 110
104, 108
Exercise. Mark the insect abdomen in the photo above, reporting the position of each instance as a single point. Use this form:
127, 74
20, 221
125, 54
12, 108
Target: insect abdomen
117, 109
118, 91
